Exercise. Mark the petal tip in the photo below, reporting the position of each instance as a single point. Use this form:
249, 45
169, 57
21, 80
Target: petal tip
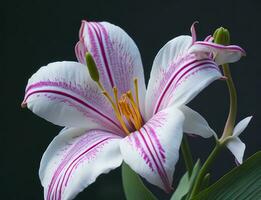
84, 21
23, 105
223, 78
169, 189
193, 31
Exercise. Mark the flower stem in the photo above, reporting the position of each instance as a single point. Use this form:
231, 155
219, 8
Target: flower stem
204, 169
221, 36
187, 154
228, 130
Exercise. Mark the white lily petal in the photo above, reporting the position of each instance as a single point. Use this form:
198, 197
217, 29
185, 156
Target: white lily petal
223, 54
241, 126
116, 55
64, 94
237, 147
161, 70
177, 76
74, 159
195, 124
153, 150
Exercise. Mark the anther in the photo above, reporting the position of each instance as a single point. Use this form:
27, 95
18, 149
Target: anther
92, 68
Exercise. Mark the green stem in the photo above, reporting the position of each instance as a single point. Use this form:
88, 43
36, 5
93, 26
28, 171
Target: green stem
204, 169
221, 36
228, 130
187, 154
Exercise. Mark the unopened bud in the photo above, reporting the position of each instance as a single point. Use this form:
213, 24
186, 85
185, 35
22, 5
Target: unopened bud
222, 36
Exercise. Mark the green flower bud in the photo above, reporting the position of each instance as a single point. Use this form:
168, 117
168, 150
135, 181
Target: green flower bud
222, 36
91, 65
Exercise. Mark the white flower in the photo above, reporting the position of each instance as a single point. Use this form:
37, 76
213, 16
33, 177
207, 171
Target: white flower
142, 127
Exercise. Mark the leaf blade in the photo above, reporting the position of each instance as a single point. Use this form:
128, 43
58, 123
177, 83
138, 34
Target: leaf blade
134, 188
185, 183
241, 183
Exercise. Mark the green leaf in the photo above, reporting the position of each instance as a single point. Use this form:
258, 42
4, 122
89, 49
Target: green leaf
241, 183
134, 188
205, 182
186, 183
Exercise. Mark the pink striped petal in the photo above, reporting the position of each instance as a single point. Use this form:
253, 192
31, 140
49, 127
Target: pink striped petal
117, 56
222, 54
64, 94
153, 150
177, 76
74, 159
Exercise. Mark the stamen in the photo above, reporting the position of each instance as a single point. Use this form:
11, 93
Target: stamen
118, 115
135, 108
115, 92
125, 112
136, 91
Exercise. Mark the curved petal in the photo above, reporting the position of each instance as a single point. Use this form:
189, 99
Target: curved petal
161, 70
222, 54
177, 76
74, 159
115, 53
153, 150
195, 124
237, 147
241, 126
64, 94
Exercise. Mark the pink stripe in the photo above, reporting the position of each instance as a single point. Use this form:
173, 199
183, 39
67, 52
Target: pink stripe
67, 169
208, 38
61, 84
99, 37
80, 51
76, 162
193, 32
77, 52
186, 72
165, 181
172, 79
163, 178
230, 47
82, 28
75, 99
56, 189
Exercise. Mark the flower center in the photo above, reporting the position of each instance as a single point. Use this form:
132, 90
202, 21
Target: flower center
126, 108
129, 108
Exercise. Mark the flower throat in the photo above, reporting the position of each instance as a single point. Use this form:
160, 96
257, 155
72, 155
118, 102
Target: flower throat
126, 108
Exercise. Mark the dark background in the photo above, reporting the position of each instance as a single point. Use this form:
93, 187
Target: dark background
34, 33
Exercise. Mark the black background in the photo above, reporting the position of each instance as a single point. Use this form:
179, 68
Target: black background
34, 33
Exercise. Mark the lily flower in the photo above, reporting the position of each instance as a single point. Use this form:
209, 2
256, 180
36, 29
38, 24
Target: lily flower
110, 117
